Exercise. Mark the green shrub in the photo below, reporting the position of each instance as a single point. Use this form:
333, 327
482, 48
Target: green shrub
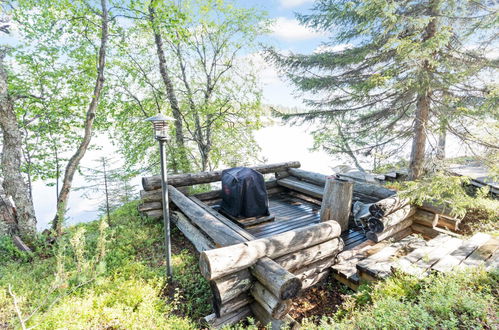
462, 300
103, 277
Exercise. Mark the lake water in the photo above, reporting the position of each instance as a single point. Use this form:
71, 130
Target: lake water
278, 142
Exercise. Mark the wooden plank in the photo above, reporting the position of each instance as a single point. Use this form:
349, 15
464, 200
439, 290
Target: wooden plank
405, 263
453, 259
480, 255
352, 285
379, 264
189, 179
493, 262
421, 267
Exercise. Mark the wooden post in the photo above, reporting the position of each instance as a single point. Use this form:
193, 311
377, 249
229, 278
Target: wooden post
337, 201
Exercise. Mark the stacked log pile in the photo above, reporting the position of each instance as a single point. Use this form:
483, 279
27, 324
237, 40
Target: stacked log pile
247, 275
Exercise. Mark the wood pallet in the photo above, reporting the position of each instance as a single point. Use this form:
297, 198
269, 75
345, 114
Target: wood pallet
414, 255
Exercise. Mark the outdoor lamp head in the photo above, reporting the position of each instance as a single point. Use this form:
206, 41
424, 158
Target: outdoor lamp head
160, 124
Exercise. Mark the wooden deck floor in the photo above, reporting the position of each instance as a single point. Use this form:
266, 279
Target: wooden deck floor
291, 213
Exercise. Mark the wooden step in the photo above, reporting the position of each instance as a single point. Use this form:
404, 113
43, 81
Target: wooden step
481, 254
378, 266
453, 259
423, 255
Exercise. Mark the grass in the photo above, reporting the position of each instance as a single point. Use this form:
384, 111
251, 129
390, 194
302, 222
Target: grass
69, 286
113, 278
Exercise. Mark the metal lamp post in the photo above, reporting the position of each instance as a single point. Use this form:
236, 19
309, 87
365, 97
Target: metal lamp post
160, 124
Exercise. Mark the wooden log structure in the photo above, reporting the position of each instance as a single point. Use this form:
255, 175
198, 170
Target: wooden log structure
366, 189
387, 206
267, 321
337, 201
276, 307
390, 231
219, 262
198, 239
243, 276
433, 220
378, 225
189, 179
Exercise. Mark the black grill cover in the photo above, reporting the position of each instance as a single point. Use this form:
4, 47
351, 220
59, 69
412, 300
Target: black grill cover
244, 193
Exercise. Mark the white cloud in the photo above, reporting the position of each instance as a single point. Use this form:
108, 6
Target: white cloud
290, 29
293, 3
333, 49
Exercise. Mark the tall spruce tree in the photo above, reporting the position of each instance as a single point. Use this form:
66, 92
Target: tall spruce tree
405, 70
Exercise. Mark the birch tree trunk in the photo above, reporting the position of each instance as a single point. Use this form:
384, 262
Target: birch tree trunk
13, 184
74, 161
170, 91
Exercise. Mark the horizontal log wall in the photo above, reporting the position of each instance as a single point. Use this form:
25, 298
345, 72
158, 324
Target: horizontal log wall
190, 179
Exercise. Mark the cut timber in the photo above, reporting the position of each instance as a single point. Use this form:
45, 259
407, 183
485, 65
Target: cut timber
315, 268
306, 256
429, 232
218, 231
432, 220
219, 262
305, 197
194, 235
273, 305
189, 179
366, 189
231, 286
387, 206
248, 222
480, 255
438, 208
216, 194
337, 201
150, 206
457, 256
233, 305
354, 285
378, 265
150, 196
314, 279
213, 322
276, 279
390, 231
378, 225
268, 322
303, 187
154, 214
312, 177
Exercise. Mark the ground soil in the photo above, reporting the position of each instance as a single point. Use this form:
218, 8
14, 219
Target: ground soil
323, 299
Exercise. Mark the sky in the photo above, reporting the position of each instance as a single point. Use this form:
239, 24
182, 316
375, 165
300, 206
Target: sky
287, 35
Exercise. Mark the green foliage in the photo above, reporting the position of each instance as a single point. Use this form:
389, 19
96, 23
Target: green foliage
463, 300
100, 277
363, 85
454, 193
219, 99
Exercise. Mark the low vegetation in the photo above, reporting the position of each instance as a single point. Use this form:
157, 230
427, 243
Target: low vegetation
113, 277
98, 277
